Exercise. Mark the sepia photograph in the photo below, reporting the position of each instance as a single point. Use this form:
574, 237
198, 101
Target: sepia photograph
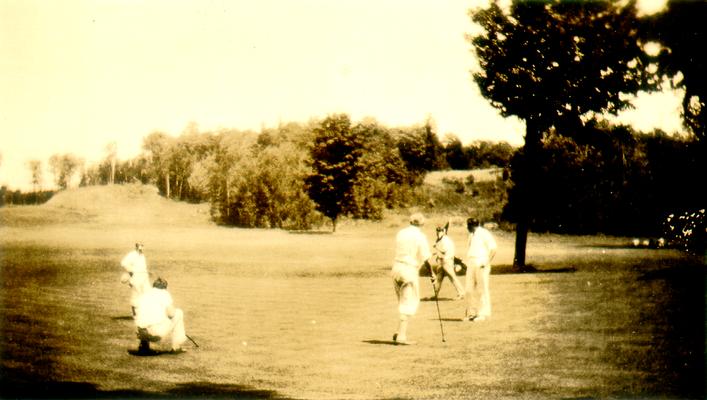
339, 199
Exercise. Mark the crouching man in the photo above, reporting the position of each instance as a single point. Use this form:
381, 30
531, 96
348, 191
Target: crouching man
156, 318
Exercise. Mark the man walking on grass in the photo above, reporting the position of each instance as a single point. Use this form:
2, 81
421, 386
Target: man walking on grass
135, 275
156, 318
481, 250
445, 262
411, 252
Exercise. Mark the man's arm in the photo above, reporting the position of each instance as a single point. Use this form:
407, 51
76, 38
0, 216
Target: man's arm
170, 311
492, 246
127, 262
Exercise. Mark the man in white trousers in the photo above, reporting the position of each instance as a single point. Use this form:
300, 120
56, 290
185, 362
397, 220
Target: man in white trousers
445, 261
156, 318
480, 251
411, 252
135, 275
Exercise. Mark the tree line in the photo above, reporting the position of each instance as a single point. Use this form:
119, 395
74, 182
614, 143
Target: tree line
601, 179
290, 176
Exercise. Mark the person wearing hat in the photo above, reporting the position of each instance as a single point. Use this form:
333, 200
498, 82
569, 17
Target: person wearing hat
411, 252
135, 275
156, 318
481, 248
445, 261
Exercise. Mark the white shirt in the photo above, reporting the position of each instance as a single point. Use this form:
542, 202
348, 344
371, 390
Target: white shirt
134, 262
152, 307
411, 246
445, 246
480, 244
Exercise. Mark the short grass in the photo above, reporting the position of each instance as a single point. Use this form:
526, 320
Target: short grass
309, 316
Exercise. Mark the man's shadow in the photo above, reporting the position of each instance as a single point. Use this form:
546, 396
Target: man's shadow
152, 352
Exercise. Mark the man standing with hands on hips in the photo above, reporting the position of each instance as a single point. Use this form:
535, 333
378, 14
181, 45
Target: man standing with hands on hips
481, 250
411, 252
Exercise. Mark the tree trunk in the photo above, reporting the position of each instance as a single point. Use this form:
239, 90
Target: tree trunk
333, 224
166, 183
526, 198
521, 245
227, 202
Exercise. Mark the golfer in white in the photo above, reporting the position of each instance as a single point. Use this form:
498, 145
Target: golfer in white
445, 261
157, 318
135, 275
480, 252
411, 251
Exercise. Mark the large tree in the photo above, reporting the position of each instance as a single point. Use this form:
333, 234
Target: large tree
35, 168
554, 64
334, 157
159, 148
64, 166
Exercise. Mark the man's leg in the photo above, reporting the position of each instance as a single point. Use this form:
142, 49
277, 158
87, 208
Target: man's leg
485, 294
449, 271
472, 289
439, 275
178, 332
468, 286
407, 307
401, 334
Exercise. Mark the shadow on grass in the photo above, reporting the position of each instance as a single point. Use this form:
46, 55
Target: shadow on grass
122, 318
529, 269
17, 386
448, 319
152, 353
439, 299
384, 342
310, 232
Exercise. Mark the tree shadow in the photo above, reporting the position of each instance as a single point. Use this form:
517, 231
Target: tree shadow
528, 269
18, 386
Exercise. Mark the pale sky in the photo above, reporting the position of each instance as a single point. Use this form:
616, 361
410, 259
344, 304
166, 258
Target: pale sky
77, 75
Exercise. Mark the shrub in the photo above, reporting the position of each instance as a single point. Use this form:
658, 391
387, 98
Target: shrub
686, 231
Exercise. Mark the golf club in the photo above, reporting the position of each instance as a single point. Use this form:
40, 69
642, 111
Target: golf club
439, 316
192, 340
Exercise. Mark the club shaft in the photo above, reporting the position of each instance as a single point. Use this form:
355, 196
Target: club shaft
192, 340
439, 315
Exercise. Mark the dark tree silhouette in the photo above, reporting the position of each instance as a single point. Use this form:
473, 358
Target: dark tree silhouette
335, 155
554, 65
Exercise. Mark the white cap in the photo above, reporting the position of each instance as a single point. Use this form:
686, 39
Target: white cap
417, 219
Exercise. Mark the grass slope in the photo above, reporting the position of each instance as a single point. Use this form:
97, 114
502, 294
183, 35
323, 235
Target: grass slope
308, 316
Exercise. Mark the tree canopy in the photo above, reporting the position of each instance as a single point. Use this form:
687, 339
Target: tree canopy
555, 65
681, 31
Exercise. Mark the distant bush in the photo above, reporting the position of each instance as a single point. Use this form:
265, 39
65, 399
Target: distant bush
686, 231
485, 200
16, 197
455, 184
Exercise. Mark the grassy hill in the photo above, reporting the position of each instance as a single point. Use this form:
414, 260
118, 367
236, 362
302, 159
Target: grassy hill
113, 204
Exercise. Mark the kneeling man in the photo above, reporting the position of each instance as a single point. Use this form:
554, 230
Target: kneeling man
156, 318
